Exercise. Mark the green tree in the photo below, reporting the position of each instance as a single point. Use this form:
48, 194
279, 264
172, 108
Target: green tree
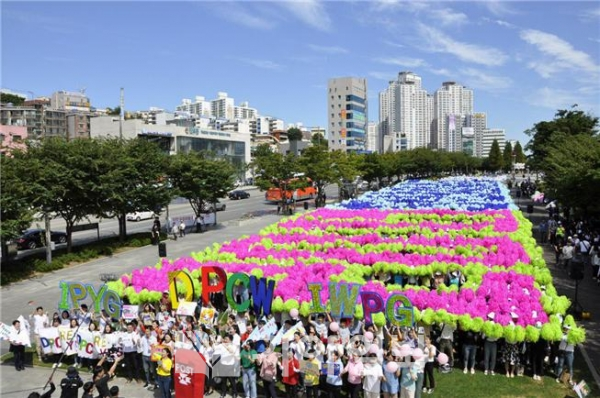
494, 160
507, 156
113, 111
569, 122
62, 179
294, 135
14, 99
519, 155
131, 176
572, 168
15, 211
319, 140
201, 178
274, 170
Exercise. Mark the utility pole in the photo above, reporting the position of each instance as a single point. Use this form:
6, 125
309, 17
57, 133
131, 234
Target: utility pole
122, 115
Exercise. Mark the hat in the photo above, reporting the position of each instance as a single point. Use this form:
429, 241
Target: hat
568, 327
438, 273
491, 315
513, 315
538, 324
72, 372
453, 273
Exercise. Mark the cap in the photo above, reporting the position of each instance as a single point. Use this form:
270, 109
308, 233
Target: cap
453, 273
72, 371
568, 327
513, 315
438, 273
491, 315
538, 324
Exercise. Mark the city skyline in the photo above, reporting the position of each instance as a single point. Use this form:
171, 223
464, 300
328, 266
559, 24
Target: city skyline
521, 68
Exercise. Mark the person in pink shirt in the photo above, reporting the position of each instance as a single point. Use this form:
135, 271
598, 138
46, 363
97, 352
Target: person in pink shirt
354, 368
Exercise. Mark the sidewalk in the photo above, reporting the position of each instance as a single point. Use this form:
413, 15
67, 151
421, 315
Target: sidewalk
588, 292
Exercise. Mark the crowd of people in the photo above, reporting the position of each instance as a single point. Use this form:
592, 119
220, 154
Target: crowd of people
315, 356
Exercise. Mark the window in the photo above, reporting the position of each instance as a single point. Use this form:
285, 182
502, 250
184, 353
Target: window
17, 138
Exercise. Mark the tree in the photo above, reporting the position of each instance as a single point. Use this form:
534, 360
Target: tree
294, 135
319, 140
519, 155
14, 99
274, 170
61, 177
572, 168
113, 111
15, 210
507, 156
569, 122
201, 178
131, 177
494, 161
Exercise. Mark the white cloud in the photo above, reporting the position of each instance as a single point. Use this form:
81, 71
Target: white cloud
560, 55
261, 63
448, 17
594, 39
499, 8
311, 12
555, 98
592, 14
483, 80
393, 44
387, 76
404, 62
327, 49
437, 41
237, 13
441, 72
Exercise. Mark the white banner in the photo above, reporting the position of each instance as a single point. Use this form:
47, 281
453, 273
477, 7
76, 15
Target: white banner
67, 340
50, 341
187, 308
130, 312
86, 344
4, 331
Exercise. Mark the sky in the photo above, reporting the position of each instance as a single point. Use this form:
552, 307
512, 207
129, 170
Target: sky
524, 60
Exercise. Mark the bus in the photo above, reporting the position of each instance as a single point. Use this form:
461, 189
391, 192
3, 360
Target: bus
309, 192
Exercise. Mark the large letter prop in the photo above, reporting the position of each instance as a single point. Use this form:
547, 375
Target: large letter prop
73, 293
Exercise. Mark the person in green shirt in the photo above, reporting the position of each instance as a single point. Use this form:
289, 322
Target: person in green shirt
248, 359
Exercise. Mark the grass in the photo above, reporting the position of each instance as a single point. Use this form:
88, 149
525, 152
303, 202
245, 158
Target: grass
13, 271
452, 385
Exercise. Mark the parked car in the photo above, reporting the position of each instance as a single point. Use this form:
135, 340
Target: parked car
238, 194
32, 238
210, 207
139, 215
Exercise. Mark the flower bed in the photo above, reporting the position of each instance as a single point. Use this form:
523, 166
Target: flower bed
494, 250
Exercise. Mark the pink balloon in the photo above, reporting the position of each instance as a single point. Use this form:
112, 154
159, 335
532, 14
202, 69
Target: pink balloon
373, 349
442, 358
294, 313
391, 367
418, 353
405, 350
334, 327
369, 336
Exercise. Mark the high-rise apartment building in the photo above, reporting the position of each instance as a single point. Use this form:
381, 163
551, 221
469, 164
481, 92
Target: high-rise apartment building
347, 113
489, 135
200, 106
406, 111
222, 107
243, 111
450, 99
373, 143
478, 121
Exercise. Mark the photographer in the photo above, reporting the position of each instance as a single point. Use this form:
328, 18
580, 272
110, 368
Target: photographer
101, 377
71, 384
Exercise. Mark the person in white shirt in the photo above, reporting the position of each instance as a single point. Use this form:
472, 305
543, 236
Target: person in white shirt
40, 321
17, 345
147, 341
320, 327
430, 354
226, 368
566, 354
372, 377
567, 252
130, 341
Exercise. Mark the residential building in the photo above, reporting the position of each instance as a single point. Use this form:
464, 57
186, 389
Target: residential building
78, 125
200, 106
276, 124
259, 125
70, 101
222, 107
12, 138
489, 135
347, 114
450, 99
373, 143
24, 116
406, 111
478, 121
243, 111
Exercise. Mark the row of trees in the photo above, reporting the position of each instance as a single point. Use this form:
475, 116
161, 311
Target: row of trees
77, 179
567, 150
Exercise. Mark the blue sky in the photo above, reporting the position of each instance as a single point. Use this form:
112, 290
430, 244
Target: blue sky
524, 60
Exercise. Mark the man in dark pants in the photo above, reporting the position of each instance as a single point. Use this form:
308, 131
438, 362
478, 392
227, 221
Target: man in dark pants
17, 346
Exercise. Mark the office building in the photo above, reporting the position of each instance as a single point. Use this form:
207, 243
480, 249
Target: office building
347, 114
489, 135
